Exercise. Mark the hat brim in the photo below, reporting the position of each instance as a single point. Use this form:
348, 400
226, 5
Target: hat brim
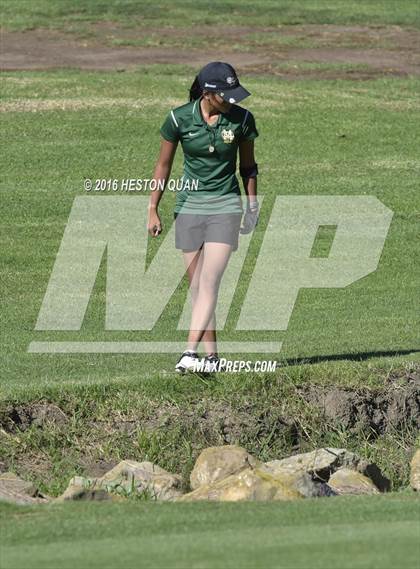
234, 95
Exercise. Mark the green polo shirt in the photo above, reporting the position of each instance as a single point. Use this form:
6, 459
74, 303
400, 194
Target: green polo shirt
209, 181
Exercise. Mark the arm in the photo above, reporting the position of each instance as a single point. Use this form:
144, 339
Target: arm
248, 173
162, 172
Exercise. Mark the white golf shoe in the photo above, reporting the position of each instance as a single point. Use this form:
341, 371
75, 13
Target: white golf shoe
187, 361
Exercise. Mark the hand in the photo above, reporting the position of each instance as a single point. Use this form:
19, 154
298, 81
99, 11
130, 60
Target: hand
250, 221
154, 226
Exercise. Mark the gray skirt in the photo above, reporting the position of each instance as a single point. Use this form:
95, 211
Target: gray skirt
192, 230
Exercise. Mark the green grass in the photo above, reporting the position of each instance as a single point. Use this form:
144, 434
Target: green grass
70, 14
349, 532
320, 138
317, 137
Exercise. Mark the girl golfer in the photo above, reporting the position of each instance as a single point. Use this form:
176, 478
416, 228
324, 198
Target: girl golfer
208, 211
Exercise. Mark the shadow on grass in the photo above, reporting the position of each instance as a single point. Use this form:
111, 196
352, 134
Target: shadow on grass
360, 356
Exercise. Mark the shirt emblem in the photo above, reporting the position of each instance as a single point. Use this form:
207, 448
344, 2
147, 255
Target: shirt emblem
227, 136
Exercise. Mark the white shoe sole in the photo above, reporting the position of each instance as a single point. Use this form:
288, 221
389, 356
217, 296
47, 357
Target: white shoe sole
183, 370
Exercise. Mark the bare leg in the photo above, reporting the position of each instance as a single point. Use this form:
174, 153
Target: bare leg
215, 259
194, 261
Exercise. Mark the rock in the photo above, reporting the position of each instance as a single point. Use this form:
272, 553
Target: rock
126, 478
14, 489
80, 488
143, 477
301, 481
13, 482
322, 463
251, 484
415, 471
319, 463
216, 463
349, 481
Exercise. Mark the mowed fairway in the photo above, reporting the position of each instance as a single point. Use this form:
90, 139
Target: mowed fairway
321, 138
349, 532
347, 124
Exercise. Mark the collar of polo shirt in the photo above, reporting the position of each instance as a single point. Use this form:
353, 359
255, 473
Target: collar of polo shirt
198, 119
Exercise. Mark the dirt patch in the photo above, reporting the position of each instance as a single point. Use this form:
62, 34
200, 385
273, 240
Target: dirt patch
374, 412
105, 46
40, 414
331, 35
377, 411
36, 50
96, 468
224, 423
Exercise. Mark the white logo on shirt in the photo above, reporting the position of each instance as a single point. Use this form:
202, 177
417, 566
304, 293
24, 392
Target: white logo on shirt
227, 136
193, 133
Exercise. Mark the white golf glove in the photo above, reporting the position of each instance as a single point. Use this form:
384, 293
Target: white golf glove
250, 219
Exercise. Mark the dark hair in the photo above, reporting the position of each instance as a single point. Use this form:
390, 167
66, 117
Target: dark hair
195, 90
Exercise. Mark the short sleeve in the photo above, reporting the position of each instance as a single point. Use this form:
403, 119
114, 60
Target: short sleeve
249, 129
169, 130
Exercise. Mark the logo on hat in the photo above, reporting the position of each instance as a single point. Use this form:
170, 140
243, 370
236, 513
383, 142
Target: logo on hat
230, 80
227, 136
209, 85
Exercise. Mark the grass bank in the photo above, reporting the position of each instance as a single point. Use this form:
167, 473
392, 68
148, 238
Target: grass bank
52, 434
